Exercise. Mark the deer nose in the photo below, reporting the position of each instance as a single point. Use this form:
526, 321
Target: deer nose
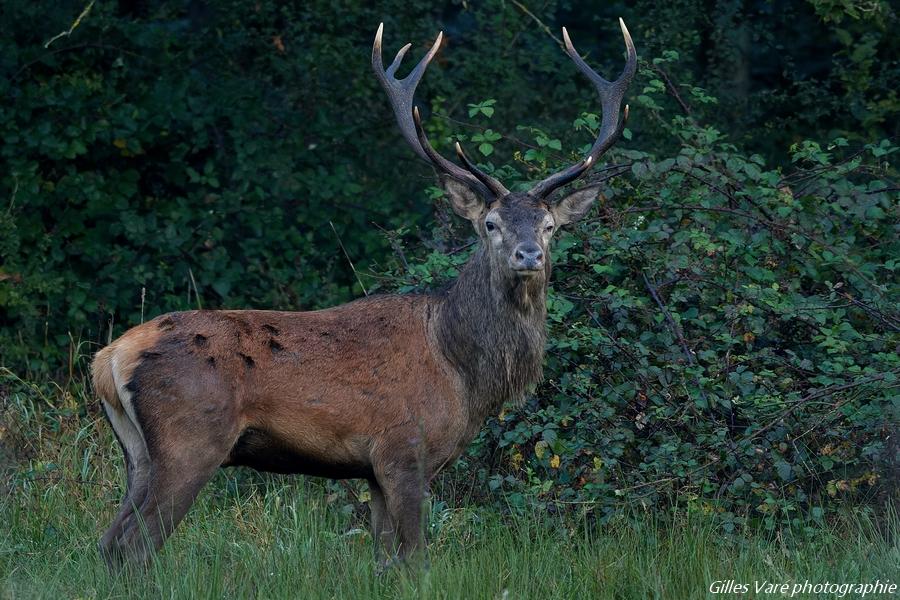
528, 256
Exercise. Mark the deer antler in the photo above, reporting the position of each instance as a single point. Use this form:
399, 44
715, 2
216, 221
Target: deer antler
611, 94
400, 93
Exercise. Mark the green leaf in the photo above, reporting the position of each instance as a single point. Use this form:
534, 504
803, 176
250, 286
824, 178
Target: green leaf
784, 470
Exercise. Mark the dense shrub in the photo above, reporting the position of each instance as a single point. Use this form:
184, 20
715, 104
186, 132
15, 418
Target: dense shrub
724, 332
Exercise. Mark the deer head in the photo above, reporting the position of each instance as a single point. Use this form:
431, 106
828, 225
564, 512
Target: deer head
515, 227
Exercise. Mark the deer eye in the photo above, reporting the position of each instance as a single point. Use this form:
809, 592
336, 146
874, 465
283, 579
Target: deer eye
548, 228
489, 226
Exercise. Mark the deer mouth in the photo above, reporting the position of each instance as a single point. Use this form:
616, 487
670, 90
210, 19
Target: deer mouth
528, 271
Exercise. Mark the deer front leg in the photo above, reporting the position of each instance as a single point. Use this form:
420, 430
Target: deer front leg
384, 529
403, 487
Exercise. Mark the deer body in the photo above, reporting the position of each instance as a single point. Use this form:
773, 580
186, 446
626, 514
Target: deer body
387, 388
364, 390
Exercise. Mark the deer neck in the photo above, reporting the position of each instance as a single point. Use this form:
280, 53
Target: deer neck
492, 329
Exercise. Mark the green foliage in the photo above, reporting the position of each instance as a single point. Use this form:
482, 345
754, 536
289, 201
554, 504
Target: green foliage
723, 332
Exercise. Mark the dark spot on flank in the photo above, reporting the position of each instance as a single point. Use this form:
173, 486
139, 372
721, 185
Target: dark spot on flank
200, 340
248, 362
166, 323
275, 347
150, 354
211, 361
271, 329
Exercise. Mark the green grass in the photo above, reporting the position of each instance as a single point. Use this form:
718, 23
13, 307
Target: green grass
254, 536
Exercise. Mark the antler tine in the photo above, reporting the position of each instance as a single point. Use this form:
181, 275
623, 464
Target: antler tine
430, 152
400, 93
611, 94
395, 64
495, 186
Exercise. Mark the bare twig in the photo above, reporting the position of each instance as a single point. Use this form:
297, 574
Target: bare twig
347, 256
673, 90
12, 199
395, 246
676, 329
725, 193
196, 292
827, 415
828, 391
769, 223
67, 33
887, 320
540, 23
511, 138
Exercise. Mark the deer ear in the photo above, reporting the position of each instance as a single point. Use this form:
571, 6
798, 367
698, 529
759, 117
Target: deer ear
464, 201
575, 205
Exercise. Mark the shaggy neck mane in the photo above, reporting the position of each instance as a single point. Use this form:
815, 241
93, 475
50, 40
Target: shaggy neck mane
492, 329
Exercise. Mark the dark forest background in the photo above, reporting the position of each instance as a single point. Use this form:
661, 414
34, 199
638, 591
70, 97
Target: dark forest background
724, 328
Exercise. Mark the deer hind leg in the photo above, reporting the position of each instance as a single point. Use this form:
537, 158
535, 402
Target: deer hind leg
172, 487
184, 455
182, 448
137, 463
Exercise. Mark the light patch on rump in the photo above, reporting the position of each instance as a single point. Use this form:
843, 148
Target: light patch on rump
112, 369
104, 385
126, 423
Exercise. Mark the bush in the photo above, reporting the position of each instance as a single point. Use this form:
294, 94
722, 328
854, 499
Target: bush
724, 334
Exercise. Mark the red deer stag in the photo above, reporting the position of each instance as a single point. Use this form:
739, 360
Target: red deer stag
388, 388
